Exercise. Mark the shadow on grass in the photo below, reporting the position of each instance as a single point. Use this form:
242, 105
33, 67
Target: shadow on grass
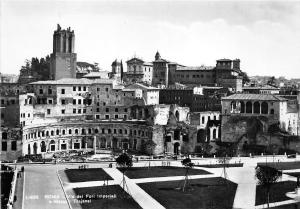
160, 171
110, 197
90, 174
277, 193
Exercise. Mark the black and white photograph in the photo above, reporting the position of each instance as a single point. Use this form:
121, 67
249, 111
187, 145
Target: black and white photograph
139, 104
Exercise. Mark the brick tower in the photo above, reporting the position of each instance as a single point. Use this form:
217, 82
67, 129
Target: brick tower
63, 58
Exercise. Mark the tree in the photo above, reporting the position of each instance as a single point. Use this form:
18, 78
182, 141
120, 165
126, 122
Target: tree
122, 71
246, 79
187, 163
224, 153
124, 161
266, 177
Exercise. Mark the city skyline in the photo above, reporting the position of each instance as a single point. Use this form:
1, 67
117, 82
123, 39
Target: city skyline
262, 34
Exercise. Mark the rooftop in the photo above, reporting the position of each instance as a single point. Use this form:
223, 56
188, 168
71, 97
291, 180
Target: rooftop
202, 67
73, 81
141, 86
96, 74
259, 97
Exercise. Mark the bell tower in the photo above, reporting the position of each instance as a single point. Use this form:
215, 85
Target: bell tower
63, 58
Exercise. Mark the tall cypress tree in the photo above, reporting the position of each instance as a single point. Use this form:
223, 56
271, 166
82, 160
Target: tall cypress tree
122, 71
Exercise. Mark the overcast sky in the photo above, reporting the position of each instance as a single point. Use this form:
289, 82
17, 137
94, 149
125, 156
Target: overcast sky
265, 35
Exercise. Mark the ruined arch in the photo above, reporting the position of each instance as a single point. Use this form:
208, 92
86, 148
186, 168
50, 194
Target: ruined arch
214, 133
43, 146
177, 115
201, 136
176, 148
34, 148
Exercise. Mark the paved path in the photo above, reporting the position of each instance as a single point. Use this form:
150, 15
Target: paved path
138, 194
43, 189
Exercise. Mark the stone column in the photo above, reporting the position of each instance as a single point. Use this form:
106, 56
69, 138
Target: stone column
259, 107
67, 42
143, 114
94, 144
137, 113
252, 111
61, 38
217, 132
73, 43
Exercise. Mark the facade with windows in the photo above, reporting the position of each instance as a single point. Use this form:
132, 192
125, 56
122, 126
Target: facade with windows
139, 71
245, 114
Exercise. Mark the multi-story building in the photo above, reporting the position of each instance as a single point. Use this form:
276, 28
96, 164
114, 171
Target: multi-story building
10, 131
266, 89
259, 119
139, 71
226, 73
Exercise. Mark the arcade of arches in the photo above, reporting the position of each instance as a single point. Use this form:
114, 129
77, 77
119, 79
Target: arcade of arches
207, 135
251, 107
61, 138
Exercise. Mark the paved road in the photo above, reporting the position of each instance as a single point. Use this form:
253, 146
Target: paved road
42, 188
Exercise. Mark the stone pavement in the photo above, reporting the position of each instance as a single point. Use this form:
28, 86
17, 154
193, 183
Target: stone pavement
138, 194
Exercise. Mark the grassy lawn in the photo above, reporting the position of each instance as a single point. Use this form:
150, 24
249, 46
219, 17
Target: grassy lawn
283, 165
220, 165
160, 171
90, 174
93, 197
207, 193
277, 194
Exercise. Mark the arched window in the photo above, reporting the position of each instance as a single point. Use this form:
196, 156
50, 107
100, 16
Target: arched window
47, 133
242, 107
57, 132
264, 108
202, 119
63, 132
52, 133
82, 131
272, 112
96, 130
70, 131
249, 107
43, 146
214, 134
177, 115
256, 107
76, 131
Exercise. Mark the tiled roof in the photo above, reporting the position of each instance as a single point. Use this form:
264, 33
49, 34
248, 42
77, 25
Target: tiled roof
261, 87
96, 74
202, 67
138, 85
258, 97
73, 81
224, 59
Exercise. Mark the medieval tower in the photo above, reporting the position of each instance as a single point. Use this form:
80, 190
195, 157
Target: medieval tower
63, 58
